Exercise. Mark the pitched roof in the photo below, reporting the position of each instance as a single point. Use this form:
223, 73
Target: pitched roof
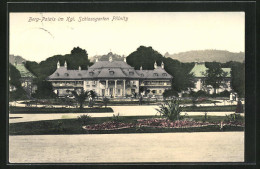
106, 69
63, 73
199, 69
108, 64
23, 71
158, 73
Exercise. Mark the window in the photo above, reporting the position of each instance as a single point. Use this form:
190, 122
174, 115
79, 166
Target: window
155, 74
131, 73
91, 73
160, 91
79, 74
164, 74
111, 72
142, 75
57, 74
66, 74
94, 82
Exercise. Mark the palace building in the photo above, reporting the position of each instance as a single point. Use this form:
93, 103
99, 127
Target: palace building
199, 71
111, 79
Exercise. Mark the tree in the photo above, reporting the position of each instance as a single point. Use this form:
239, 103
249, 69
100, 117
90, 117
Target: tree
77, 57
80, 97
44, 90
214, 76
146, 56
15, 76
238, 78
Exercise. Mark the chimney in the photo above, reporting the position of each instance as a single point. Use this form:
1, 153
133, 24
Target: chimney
65, 64
141, 68
110, 59
155, 65
97, 59
58, 64
162, 65
124, 59
79, 67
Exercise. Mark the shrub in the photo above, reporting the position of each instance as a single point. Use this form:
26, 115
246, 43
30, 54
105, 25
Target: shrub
116, 118
105, 101
234, 118
170, 93
239, 108
84, 119
170, 109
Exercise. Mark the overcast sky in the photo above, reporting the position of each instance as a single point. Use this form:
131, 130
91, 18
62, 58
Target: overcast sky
172, 32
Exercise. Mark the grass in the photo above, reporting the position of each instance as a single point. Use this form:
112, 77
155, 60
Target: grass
35, 110
112, 102
74, 126
210, 109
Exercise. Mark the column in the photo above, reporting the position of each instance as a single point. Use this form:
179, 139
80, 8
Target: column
98, 89
106, 91
124, 88
115, 90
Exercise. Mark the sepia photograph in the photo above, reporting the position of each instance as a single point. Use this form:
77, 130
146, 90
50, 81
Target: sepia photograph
126, 87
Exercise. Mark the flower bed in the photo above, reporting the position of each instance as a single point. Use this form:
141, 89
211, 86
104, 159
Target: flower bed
157, 123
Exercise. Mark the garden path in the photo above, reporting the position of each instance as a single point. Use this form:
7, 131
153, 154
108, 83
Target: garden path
147, 147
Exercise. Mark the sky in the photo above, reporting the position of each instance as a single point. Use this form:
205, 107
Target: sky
37, 36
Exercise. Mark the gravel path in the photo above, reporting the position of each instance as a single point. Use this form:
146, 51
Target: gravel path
156, 147
122, 110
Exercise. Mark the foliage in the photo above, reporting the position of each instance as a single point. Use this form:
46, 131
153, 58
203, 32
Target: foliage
117, 118
214, 75
44, 90
238, 78
84, 119
239, 108
80, 97
105, 101
18, 94
15, 76
77, 57
234, 118
146, 56
170, 110
170, 93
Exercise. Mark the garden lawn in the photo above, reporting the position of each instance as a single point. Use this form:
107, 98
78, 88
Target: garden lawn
74, 126
35, 110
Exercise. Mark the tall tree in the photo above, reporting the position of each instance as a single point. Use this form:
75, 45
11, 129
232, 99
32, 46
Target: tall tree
215, 76
238, 78
146, 56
